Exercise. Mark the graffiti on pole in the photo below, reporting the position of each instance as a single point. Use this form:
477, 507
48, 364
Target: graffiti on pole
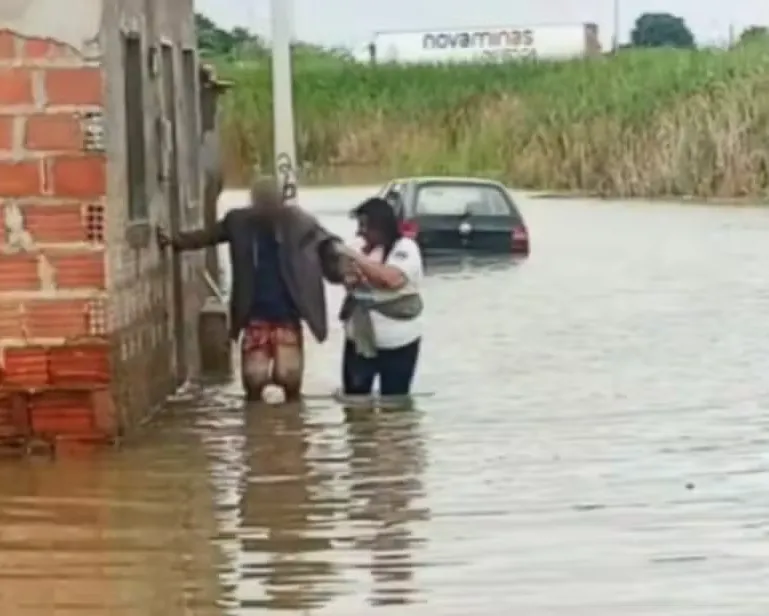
286, 170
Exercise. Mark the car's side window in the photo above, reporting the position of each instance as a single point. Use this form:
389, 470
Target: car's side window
384, 191
394, 196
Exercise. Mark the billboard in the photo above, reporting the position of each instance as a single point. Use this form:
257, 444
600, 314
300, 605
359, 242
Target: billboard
486, 43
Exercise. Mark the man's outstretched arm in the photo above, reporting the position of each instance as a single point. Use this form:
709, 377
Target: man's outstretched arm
199, 238
328, 245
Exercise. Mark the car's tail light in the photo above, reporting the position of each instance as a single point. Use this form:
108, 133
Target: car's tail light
520, 239
409, 229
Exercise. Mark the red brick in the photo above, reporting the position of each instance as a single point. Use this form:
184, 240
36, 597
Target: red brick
16, 86
42, 49
20, 179
18, 272
54, 223
6, 132
14, 419
71, 445
94, 223
56, 318
57, 132
11, 317
74, 86
8, 429
81, 176
61, 412
83, 363
105, 414
26, 366
83, 270
7, 45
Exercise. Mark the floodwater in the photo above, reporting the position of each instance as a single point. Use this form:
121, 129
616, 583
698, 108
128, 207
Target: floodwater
596, 444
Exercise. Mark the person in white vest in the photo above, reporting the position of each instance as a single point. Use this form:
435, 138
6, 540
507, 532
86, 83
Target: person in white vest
382, 312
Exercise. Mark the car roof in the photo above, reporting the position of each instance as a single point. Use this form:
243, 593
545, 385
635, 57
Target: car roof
446, 179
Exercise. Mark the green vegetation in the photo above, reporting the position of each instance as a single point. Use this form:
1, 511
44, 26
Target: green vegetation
753, 33
243, 47
641, 123
650, 122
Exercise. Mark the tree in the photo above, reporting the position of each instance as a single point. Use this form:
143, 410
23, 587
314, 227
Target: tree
661, 30
235, 43
211, 39
239, 44
752, 33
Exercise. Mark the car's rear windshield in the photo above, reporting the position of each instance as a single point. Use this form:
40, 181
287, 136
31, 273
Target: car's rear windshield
455, 199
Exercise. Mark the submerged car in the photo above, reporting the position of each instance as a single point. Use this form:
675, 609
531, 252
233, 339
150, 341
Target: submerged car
452, 214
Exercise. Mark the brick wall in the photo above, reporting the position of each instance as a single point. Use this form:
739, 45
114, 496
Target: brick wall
52, 267
89, 317
145, 328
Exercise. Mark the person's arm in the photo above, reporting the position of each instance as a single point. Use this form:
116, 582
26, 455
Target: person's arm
202, 238
403, 264
329, 246
332, 261
353, 277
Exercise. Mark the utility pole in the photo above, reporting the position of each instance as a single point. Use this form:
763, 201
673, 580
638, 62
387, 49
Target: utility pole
283, 98
616, 17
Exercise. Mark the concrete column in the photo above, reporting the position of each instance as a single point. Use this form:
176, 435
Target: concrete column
283, 98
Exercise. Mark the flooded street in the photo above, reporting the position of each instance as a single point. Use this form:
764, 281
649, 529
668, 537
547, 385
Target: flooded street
592, 440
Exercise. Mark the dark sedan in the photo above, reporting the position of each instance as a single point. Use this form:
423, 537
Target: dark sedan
450, 214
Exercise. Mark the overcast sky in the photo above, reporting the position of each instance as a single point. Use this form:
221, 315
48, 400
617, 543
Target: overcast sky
352, 22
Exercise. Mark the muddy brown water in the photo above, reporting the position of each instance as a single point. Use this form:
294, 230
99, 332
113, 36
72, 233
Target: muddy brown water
597, 444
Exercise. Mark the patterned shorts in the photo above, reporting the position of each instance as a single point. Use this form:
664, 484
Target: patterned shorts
265, 337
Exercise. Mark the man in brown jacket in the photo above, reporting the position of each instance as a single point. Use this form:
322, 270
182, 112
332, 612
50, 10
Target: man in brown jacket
280, 255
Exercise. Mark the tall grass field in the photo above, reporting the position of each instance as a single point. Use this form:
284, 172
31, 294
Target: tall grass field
646, 123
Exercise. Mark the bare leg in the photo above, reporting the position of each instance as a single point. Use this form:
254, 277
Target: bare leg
256, 373
289, 367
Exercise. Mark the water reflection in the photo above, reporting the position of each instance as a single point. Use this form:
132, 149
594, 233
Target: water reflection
386, 467
326, 495
124, 534
283, 511
466, 265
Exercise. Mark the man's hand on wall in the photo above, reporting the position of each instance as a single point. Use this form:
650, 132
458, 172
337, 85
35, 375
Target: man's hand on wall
164, 240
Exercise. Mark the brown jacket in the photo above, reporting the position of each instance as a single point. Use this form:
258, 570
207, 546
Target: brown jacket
307, 256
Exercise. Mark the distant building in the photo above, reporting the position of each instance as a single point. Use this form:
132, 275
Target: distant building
490, 43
